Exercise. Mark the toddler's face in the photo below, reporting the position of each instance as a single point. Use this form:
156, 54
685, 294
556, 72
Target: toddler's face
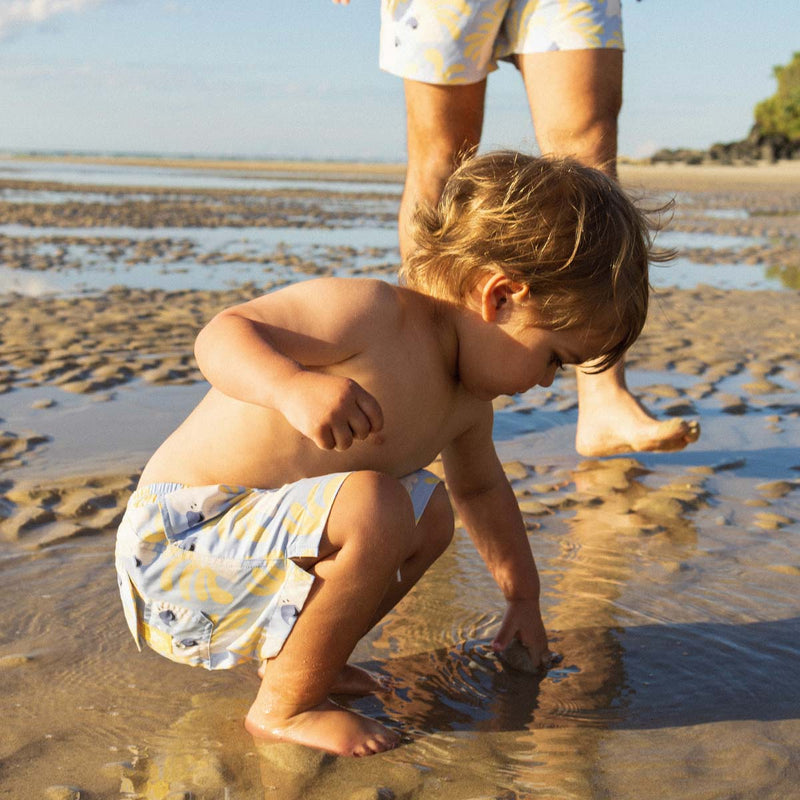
515, 356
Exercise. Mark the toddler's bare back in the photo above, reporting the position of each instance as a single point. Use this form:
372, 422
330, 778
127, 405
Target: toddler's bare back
225, 440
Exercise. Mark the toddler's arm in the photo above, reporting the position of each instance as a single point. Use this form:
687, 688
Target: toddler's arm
272, 351
486, 503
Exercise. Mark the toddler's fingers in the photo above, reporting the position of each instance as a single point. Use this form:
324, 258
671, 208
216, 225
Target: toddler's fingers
342, 435
359, 423
503, 637
324, 439
372, 410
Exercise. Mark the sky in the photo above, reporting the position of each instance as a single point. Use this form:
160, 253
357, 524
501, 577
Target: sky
300, 78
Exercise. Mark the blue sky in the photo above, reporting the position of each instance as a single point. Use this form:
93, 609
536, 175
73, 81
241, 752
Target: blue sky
299, 78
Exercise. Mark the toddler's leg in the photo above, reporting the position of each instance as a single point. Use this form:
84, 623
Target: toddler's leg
433, 534
366, 540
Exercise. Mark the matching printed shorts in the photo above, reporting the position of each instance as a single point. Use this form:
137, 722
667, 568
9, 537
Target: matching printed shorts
460, 41
206, 573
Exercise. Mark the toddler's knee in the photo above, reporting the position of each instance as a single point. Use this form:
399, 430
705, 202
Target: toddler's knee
385, 516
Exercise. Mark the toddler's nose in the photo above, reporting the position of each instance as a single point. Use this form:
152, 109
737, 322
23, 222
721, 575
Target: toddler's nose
549, 377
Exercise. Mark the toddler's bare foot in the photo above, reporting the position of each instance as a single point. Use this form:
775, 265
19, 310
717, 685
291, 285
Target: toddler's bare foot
327, 727
627, 428
352, 680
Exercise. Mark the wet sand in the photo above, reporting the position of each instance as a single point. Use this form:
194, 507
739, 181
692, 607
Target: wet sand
670, 581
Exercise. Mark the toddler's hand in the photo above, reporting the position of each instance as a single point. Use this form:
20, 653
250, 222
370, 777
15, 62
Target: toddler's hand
331, 410
522, 640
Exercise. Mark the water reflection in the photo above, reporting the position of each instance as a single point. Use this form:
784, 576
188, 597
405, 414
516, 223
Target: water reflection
684, 273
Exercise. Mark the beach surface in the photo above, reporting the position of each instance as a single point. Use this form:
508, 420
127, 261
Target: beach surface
670, 581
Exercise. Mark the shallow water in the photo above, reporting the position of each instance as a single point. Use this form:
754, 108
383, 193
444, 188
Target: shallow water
190, 257
182, 276
670, 587
679, 630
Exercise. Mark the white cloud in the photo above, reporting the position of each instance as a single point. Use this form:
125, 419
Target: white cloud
16, 14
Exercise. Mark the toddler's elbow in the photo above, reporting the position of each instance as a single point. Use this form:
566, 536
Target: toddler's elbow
202, 343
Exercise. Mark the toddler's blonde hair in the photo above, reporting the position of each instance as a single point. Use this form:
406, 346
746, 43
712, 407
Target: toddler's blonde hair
568, 232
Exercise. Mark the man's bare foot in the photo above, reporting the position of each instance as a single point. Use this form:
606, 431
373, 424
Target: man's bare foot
327, 727
352, 680
629, 428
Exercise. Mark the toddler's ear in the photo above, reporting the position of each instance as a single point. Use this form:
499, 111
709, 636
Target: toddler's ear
500, 293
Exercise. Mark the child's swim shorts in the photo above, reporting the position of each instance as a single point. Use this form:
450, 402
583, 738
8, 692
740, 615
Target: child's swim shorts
206, 573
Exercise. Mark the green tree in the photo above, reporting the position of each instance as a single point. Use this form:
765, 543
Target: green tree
780, 114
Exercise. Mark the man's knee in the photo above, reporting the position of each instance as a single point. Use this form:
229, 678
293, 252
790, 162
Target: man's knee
597, 121
592, 140
430, 167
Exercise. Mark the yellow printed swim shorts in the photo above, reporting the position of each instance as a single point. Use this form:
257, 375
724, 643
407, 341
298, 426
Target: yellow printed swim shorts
206, 574
460, 41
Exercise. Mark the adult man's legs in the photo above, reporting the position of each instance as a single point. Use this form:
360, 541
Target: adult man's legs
575, 97
443, 124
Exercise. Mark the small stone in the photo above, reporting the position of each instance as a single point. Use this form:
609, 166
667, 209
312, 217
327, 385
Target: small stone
518, 657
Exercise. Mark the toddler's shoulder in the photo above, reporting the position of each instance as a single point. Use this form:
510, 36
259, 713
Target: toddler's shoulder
365, 305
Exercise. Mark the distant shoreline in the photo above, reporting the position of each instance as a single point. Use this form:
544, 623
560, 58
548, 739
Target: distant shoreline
707, 177
373, 170
690, 177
